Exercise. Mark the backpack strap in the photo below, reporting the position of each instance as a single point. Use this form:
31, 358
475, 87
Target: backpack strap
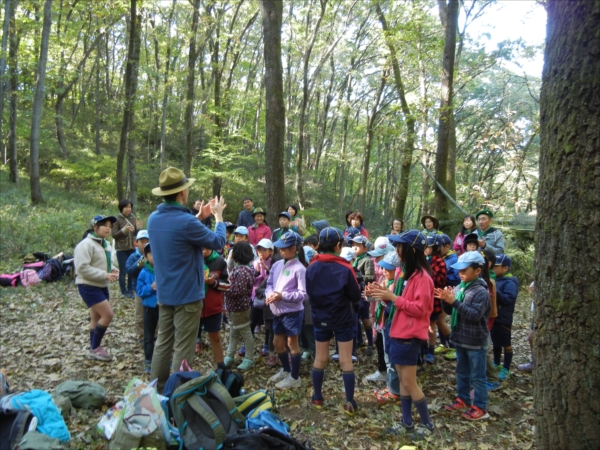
222, 394
204, 410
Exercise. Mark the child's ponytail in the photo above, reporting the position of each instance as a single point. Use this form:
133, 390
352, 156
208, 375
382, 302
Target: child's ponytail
302, 255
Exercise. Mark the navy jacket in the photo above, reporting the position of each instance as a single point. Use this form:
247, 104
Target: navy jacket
133, 269
452, 278
332, 290
507, 289
245, 219
177, 240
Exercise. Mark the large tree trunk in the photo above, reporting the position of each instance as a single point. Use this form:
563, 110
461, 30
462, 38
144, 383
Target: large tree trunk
38, 100
567, 285
272, 12
449, 19
7, 16
13, 88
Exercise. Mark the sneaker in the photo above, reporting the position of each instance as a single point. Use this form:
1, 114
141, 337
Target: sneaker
457, 405
350, 408
423, 432
271, 362
527, 367
257, 329
400, 429
281, 375
376, 377
385, 396
354, 358
242, 351
440, 349
450, 354
318, 404
504, 374
493, 385
370, 350
289, 382
335, 357
246, 364
264, 351
147, 366
227, 362
498, 367
99, 354
475, 413
305, 356
430, 359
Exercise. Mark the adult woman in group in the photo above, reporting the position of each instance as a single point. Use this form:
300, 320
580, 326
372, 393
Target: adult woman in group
124, 231
431, 225
469, 226
397, 227
357, 221
297, 223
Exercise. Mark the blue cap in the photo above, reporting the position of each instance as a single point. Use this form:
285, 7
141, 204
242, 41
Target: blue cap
414, 238
289, 239
381, 247
100, 218
241, 230
360, 239
503, 260
309, 253
348, 254
330, 235
352, 232
468, 259
390, 262
142, 234
434, 239
320, 225
446, 239
285, 214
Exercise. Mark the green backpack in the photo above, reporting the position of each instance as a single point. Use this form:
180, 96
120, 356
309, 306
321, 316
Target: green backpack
254, 402
205, 413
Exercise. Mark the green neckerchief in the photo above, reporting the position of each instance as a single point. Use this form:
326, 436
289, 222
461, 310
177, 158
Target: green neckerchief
430, 233
460, 296
104, 246
397, 292
380, 306
492, 275
482, 233
173, 202
429, 258
210, 258
357, 259
507, 275
149, 267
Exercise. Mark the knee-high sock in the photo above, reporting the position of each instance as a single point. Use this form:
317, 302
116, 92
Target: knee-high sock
317, 376
285, 361
296, 360
369, 333
497, 355
421, 406
349, 381
406, 405
508, 355
98, 335
91, 337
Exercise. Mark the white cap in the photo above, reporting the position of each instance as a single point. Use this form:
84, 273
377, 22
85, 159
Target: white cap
348, 254
142, 234
265, 243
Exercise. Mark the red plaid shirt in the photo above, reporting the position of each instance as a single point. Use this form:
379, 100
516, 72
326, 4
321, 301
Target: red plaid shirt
438, 269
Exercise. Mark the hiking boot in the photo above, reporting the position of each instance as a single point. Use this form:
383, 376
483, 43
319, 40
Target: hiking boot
376, 377
527, 367
271, 361
264, 351
423, 431
227, 362
440, 349
246, 364
430, 359
475, 413
281, 375
242, 351
504, 374
289, 383
385, 396
400, 429
350, 408
493, 385
99, 354
318, 404
450, 354
370, 350
457, 405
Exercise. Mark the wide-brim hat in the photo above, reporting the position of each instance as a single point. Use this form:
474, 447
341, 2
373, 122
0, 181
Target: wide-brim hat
172, 181
436, 223
259, 211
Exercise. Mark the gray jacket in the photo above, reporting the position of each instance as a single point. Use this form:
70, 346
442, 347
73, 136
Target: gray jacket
493, 239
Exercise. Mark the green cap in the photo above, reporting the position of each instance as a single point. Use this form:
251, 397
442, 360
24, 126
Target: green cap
487, 212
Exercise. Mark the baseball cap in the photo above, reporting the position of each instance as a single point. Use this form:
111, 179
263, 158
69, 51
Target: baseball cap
467, 259
142, 234
101, 218
381, 247
320, 225
414, 238
289, 239
434, 239
390, 261
241, 230
330, 235
265, 243
348, 254
309, 253
285, 214
228, 225
445, 239
360, 239
503, 260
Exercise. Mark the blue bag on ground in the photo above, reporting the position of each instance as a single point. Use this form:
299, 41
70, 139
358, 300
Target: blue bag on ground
267, 419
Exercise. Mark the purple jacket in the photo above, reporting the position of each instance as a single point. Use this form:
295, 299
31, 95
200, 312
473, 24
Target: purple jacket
289, 279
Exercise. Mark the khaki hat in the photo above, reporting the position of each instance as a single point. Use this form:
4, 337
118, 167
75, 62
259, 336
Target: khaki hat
172, 181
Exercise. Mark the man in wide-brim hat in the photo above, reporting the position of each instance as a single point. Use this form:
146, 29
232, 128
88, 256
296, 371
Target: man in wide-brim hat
177, 238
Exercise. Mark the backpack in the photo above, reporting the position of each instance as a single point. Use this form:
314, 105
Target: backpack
52, 271
205, 413
29, 277
264, 439
38, 265
267, 419
250, 405
13, 426
83, 394
233, 381
10, 279
176, 379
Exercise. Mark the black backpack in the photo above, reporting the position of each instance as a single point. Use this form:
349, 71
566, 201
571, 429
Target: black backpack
53, 270
233, 381
263, 439
13, 427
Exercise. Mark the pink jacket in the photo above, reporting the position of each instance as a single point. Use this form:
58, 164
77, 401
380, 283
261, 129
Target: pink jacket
255, 234
413, 308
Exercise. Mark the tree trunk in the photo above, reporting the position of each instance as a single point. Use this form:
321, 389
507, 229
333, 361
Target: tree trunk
567, 285
7, 16
189, 96
97, 104
272, 12
131, 75
38, 100
13, 89
449, 19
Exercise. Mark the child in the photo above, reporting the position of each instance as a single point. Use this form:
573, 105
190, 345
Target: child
469, 226
238, 300
261, 266
470, 309
452, 279
307, 336
229, 228
284, 225
487, 275
312, 241
240, 234
285, 294
430, 225
268, 316
259, 230
438, 269
334, 294
507, 288
365, 266
135, 264
471, 242
409, 328
349, 255
146, 290
94, 270
216, 283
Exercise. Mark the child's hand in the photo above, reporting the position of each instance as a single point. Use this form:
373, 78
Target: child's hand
445, 294
273, 297
112, 276
115, 271
380, 293
153, 286
210, 280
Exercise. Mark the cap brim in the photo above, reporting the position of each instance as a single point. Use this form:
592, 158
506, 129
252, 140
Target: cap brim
160, 193
281, 244
376, 253
386, 266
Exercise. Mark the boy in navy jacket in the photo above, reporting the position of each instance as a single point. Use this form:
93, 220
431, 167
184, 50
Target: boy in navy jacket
134, 266
146, 290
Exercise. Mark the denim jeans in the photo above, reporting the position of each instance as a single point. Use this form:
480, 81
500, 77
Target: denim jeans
122, 256
471, 371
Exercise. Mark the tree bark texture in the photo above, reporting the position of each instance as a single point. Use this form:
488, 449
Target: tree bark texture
272, 12
567, 285
13, 88
189, 96
38, 100
7, 9
449, 17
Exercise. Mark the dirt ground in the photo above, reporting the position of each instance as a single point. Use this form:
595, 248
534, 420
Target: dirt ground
43, 339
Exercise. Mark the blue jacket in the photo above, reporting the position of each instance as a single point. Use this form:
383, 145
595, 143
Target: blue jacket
132, 264
452, 278
507, 289
245, 219
332, 290
177, 240
144, 288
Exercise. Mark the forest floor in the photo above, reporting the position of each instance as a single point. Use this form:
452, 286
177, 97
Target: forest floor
43, 338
